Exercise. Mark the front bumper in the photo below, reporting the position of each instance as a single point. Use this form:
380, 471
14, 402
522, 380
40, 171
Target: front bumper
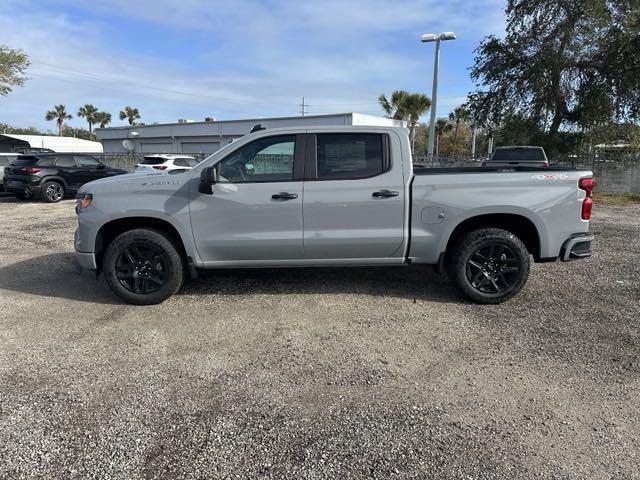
577, 247
86, 260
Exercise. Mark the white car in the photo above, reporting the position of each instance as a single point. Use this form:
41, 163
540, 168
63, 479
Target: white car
165, 163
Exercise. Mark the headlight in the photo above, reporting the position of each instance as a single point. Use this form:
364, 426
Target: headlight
83, 200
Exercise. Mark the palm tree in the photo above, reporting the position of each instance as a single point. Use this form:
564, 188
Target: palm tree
442, 126
394, 107
103, 119
59, 114
89, 112
414, 105
458, 116
131, 114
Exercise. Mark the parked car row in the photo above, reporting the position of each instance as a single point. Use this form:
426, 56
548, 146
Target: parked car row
52, 176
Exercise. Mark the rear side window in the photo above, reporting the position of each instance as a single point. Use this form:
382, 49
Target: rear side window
350, 156
65, 162
152, 161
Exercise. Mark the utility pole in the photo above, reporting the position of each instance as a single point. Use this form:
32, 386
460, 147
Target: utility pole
303, 108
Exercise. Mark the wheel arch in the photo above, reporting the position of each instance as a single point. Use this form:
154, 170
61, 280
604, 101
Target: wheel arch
55, 178
110, 230
522, 227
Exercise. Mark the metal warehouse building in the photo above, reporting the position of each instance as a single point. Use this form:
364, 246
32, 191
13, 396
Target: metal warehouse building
208, 137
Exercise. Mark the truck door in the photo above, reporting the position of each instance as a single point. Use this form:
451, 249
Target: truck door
255, 212
354, 198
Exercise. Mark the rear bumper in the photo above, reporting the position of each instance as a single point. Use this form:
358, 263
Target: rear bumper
577, 247
14, 185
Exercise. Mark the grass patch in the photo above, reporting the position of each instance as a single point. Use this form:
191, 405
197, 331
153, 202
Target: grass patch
616, 198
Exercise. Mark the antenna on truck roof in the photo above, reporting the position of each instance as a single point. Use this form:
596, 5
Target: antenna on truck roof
257, 128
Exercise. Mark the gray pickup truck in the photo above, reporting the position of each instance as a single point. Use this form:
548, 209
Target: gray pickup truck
340, 197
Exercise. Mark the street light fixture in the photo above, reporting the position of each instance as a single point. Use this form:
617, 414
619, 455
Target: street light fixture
427, 38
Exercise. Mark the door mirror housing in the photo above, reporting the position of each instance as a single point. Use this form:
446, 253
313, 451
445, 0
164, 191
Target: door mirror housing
208, 178
100, 166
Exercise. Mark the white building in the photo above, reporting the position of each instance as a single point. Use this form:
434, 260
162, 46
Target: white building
10, 142
208, 137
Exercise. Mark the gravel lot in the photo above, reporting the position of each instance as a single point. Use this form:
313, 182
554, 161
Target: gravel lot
367, 373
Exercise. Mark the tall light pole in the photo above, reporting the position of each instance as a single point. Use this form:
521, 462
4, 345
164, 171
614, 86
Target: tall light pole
427, 38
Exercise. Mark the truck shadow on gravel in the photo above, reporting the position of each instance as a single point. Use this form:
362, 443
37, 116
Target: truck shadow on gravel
58, 275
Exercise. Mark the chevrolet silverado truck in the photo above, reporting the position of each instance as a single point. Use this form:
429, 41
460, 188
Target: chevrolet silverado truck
339, 197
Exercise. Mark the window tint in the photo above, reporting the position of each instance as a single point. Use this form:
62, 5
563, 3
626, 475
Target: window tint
65, 162
265, 160
24, 161
518, 155
192, 162
153, 161
87, 161
183, 162
349, 156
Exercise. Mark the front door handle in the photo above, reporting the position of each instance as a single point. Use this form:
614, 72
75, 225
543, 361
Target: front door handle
385, 194
284, 196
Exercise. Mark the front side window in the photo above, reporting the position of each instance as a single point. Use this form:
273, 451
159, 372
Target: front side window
65, 162
87, 161
349, 156
264, 160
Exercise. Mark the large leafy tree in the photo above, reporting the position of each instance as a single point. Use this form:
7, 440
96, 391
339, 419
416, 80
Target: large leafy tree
442, 126
131, 114
13, 64
562, 64
89, 112
59, 114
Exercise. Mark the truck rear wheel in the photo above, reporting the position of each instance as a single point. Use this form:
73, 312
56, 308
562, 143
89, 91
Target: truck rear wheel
143, 267
490, 265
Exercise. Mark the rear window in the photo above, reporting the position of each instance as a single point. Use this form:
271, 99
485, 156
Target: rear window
152, 160
25, 161
518, 155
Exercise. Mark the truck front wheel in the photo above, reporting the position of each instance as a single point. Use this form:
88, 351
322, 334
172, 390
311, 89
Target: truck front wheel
489, 265
143, 267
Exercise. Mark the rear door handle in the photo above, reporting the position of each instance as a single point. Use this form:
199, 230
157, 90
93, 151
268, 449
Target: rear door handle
284, 196
385, 194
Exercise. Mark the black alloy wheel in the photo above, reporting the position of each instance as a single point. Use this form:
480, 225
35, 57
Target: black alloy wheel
493, 268
142, 268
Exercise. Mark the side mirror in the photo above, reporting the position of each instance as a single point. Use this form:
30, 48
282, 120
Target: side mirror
100, 166
207, 180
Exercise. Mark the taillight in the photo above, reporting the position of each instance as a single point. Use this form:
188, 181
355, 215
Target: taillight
587, 184
545, 164
483, 163
160, 167
30, 170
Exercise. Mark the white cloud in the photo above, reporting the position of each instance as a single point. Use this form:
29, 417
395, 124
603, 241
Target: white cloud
258, 58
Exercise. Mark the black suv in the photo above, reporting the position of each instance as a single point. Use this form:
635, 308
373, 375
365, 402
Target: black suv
52, 176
